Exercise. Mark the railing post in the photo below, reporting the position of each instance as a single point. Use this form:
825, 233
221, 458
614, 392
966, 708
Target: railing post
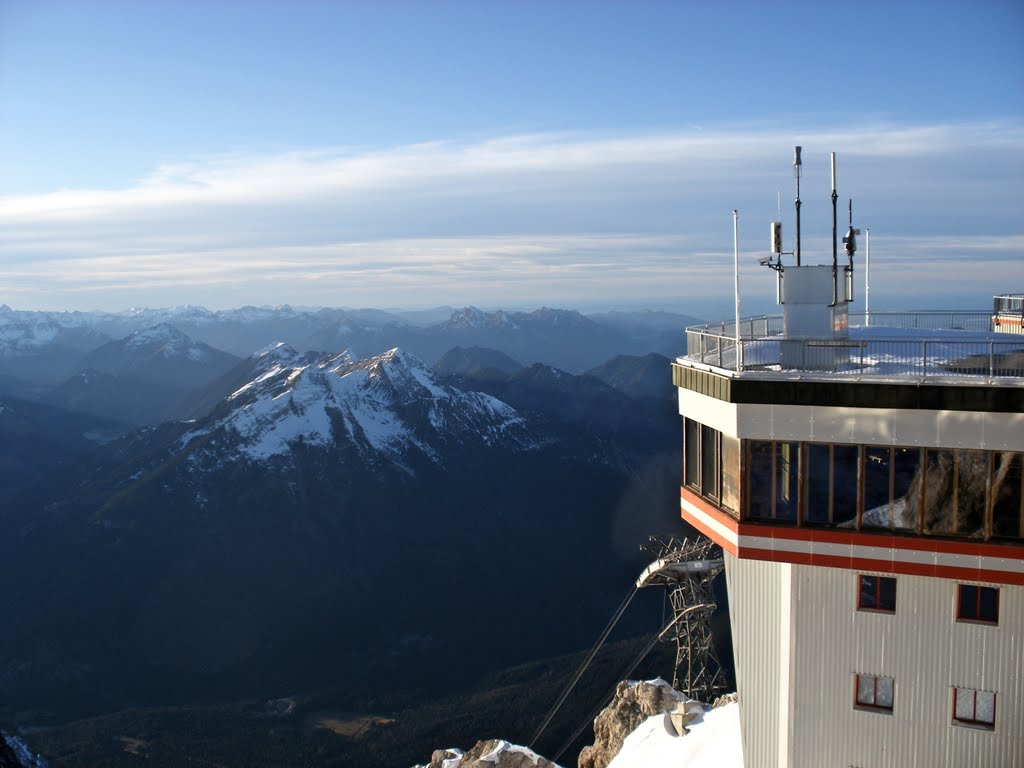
991, 359
924, 358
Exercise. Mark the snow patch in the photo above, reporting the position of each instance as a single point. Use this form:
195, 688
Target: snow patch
713, 742
504, 747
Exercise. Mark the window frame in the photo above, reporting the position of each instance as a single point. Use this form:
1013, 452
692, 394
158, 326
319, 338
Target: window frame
979, 619
988, 725
878, 608
873, 707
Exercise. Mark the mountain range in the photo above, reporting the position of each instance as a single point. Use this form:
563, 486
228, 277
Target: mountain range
311, 517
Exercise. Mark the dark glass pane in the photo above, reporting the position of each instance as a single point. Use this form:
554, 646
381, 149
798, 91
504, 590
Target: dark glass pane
906, 480
868, 591
760, 479
968, 602
691, 462
988, 604
971, 484
887, 594
816, 510
876, 488
844, 495
787, 462
939, 507
1006, 495
709, 462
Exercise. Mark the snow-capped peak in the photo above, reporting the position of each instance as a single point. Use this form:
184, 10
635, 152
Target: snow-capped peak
384, 405
165, 340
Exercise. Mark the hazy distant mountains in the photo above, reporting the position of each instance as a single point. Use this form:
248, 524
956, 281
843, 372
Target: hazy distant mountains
41, 351
337, 508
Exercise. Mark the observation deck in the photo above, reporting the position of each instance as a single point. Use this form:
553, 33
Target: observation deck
891, 447
899, 347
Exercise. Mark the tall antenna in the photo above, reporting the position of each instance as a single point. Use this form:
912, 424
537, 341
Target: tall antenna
835, 235
796, 173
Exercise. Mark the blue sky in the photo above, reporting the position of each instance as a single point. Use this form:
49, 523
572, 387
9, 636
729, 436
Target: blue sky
499, 153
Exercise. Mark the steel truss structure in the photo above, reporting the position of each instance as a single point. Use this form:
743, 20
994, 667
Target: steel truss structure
687, 570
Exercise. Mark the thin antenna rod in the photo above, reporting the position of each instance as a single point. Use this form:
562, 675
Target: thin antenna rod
867, 277
796, 172
736, 269
835, 235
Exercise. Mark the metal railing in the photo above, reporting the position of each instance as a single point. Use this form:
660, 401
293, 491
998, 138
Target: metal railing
962, 352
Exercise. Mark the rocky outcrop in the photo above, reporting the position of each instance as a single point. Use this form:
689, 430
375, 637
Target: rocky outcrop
633, 703
489, 754
725, 699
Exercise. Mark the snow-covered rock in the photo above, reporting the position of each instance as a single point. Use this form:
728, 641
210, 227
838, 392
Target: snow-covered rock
494, 753
647, 725
712, 741
632, 704
385, 405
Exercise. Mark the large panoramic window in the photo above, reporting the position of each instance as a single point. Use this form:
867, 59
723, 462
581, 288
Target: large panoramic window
875, 692
946, 492
974, 708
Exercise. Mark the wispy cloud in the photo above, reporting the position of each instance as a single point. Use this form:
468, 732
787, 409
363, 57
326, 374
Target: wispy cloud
552, 216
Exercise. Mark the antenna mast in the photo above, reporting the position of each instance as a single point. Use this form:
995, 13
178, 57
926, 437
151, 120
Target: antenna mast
796, 173
835, 236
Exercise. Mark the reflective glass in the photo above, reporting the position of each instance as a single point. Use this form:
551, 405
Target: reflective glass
865, 689
964, 704
906, 479
1006, 495
760, 479
787, 462
844, 495
817, 476
985, 707
731, 473
971, 487
939, 509
876, 487
691, 462
884, 692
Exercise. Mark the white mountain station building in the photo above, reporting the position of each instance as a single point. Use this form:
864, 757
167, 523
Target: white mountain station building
864, 477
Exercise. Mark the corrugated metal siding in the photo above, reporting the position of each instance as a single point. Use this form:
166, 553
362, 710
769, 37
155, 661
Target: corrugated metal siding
925, 650
755, 595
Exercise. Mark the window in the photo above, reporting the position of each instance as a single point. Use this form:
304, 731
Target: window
710, 470
976, 603
711, 465
877, 593
875, 692
972, 707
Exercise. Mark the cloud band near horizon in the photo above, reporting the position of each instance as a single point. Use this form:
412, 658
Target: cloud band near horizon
524, 219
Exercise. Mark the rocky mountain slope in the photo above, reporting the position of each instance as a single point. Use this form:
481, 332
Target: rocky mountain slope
331, 518
146, 378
